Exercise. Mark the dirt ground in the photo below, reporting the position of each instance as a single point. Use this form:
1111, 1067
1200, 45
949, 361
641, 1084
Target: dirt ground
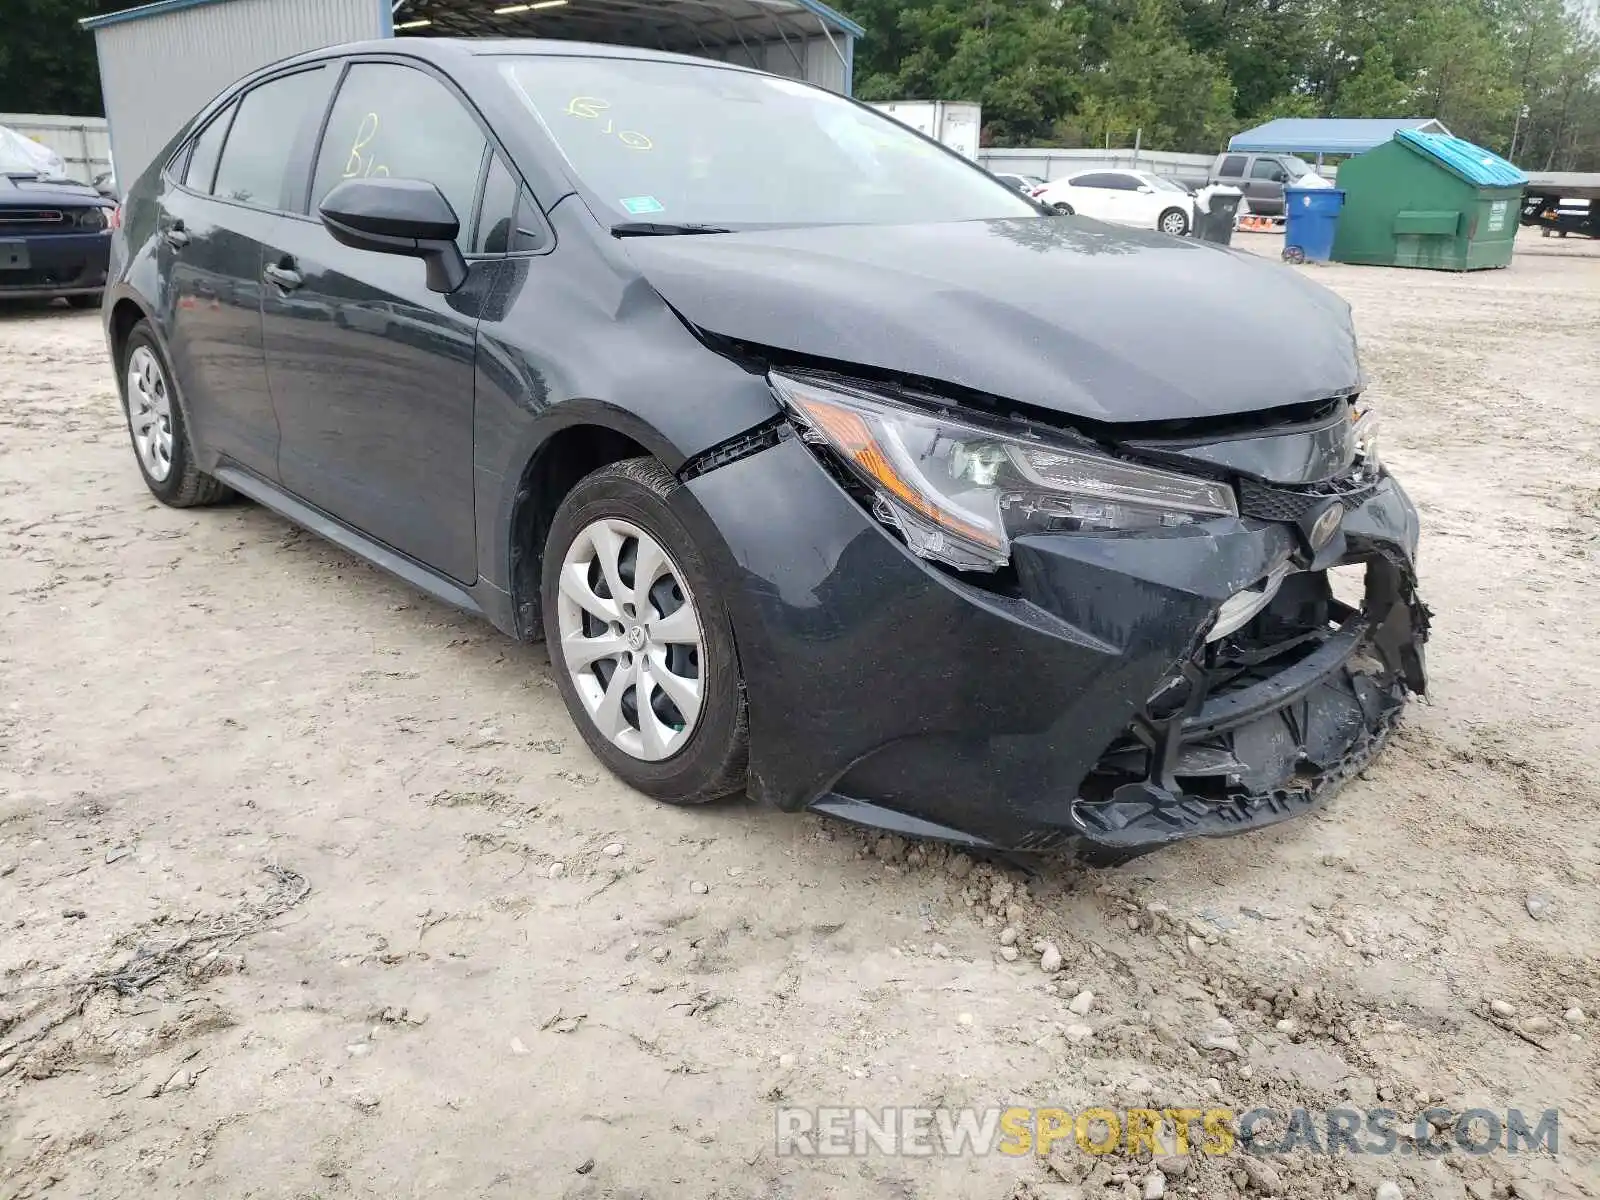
309, 888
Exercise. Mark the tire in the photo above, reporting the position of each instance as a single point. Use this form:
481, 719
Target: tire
1294, 254
82, 301
673, 754
165, 453
1064, 209
1174, 222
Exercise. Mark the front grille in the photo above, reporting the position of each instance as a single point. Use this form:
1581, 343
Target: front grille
1268, 503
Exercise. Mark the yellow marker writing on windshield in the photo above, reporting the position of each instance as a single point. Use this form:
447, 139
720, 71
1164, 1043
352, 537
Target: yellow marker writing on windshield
590, 108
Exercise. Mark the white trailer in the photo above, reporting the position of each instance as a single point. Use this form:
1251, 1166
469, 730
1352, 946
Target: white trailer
950, 122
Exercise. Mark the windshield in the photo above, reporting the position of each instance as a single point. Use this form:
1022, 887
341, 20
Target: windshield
1163, 185
683, 144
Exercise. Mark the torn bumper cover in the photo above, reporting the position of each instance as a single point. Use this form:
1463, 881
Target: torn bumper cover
1095, 698
1316, 705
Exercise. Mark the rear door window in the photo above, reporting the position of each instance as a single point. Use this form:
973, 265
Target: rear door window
391, 121
271, 117
1233, 165
1097, 179
207, 149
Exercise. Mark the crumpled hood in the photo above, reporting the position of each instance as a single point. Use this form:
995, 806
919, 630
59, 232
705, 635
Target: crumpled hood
1062, 313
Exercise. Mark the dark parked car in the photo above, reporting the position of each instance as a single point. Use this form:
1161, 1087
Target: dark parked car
55, 235
720, 384
1263, 177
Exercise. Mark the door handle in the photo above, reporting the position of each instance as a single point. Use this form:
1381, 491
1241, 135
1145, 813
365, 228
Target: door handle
176, 237
285, 277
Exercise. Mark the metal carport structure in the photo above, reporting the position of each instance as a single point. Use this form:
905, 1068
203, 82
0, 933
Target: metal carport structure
1327, 135
1563, 202
803, 39
161, 62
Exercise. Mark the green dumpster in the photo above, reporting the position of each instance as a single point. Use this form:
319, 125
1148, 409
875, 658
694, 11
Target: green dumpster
1428, 200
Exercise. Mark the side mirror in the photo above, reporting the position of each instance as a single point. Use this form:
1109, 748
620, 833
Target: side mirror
399, 216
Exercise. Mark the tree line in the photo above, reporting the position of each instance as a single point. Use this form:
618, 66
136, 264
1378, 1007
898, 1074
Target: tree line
1521, 77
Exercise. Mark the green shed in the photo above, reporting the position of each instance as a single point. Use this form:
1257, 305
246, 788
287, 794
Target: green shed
1428, 200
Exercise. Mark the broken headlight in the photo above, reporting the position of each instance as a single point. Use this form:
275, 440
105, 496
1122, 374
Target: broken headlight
1364, 436
959, 492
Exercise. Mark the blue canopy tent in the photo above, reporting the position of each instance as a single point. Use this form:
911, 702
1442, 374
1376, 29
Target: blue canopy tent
1328, 135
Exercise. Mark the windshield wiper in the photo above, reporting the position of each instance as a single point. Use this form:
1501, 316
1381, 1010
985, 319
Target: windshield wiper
658, 229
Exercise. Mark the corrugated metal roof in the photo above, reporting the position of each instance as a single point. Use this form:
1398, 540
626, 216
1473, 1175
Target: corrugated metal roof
142, 12
1479, 167
1328, 135
671, 24
718, 17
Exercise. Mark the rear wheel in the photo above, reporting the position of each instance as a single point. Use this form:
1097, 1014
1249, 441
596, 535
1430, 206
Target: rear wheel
639, 639
156, 427
1065, 209
1174, 221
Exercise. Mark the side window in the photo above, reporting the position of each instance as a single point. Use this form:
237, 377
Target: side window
207, 149
255, 161
1093, 180
499, 212
1125, 183
507, 223
1233, 166
395, 121
1265, 168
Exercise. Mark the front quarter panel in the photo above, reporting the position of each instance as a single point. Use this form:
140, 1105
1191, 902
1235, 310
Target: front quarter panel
577, 337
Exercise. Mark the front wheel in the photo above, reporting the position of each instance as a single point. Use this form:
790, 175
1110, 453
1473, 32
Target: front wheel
1063, 208
1174, 221
640, 642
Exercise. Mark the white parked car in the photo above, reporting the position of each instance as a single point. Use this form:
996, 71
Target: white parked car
1124, 198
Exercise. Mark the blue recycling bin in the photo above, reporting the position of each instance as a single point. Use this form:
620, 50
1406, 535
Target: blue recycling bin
1311, 217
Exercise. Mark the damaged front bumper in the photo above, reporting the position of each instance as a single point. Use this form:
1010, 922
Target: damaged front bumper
1319, 701
1076, 703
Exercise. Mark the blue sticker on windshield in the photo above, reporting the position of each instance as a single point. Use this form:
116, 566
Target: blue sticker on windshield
639, 205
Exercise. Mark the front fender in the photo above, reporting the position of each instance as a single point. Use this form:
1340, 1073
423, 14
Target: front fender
578, 338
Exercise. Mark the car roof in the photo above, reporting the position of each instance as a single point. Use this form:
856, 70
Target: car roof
445, 51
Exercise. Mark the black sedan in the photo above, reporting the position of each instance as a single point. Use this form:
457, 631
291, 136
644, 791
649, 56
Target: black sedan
721, 384
55, 237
